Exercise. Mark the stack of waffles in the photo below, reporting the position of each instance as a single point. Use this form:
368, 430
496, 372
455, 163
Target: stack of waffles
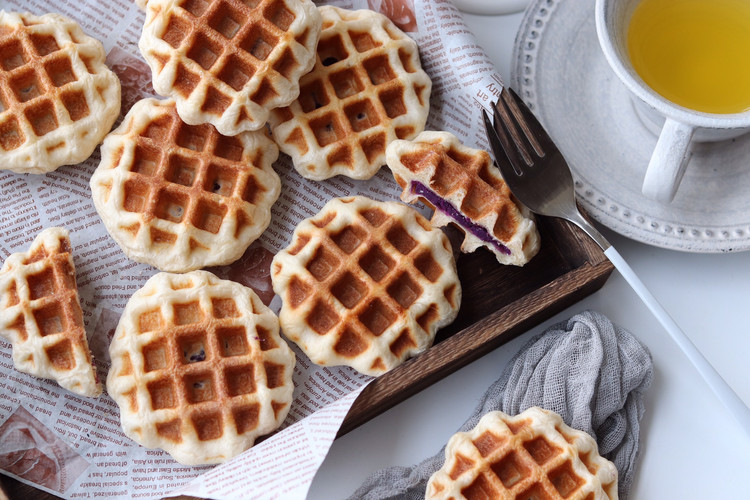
186, 182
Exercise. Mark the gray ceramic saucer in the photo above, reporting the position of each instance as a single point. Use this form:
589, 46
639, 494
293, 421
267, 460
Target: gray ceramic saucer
561, 73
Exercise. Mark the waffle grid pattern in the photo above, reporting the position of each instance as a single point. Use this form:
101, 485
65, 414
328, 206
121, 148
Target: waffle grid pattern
466, 179
228, 62
533, 455
57, 97
183, 197
40, 314
367, 89
199, 368
365, 284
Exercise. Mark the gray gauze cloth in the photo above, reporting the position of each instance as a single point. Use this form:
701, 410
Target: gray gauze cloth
591, 372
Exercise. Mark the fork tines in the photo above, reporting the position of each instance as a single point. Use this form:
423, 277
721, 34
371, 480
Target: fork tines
519, 132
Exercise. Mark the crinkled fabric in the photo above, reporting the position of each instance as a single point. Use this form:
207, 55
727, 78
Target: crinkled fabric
593, 373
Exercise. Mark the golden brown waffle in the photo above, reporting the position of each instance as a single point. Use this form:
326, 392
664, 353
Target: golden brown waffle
367, 88
57, 97
365, 284
181, 197
228, 62
533, 455
466, 189
198, 367
40, 314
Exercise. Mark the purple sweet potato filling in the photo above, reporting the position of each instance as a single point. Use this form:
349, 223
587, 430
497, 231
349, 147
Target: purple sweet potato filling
444, 206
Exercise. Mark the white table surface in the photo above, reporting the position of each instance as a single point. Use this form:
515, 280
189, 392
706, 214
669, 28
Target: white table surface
690, 445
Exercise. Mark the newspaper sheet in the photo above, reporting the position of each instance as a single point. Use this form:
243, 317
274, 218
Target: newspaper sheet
72, 446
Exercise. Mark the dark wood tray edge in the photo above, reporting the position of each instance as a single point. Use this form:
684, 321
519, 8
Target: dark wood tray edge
481, 337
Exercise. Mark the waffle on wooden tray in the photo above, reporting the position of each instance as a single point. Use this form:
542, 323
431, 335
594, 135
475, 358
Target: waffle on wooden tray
57, 97
228, 62
366, 89
533, 455
182, 197
40, 314
198, 367
466, 189
365, 284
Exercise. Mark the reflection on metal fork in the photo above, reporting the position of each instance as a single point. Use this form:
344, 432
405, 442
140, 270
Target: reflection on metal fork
532, 165
506, 111
539, 177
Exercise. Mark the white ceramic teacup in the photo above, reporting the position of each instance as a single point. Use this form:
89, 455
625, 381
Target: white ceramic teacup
678, 126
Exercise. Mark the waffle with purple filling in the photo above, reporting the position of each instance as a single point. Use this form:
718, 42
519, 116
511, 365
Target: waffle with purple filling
466, 189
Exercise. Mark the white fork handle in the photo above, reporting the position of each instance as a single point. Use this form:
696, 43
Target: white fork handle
719, 386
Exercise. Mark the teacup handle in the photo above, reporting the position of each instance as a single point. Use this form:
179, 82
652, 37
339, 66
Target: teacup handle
668, 161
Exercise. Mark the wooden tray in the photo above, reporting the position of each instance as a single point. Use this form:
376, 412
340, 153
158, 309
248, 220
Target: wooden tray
499, 303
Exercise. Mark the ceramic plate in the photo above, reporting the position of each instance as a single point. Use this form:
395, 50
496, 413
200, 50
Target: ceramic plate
490, 7
561, 73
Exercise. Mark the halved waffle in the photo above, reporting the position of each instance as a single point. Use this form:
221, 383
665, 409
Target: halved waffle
228, 62
40, 314
533, 455
367, 88
181, 197
198, 367
365, 284
466, 189
57, 97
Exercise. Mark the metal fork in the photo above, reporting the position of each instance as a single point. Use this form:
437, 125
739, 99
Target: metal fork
539, 177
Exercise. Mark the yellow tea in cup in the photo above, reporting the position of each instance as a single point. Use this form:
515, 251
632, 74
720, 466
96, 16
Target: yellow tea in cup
696, 53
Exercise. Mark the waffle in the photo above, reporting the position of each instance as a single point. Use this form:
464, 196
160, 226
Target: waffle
367, 88
181, 197
465, 189
365, 284
57, 97
198, 367
40, 314
228, 62
533, 455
